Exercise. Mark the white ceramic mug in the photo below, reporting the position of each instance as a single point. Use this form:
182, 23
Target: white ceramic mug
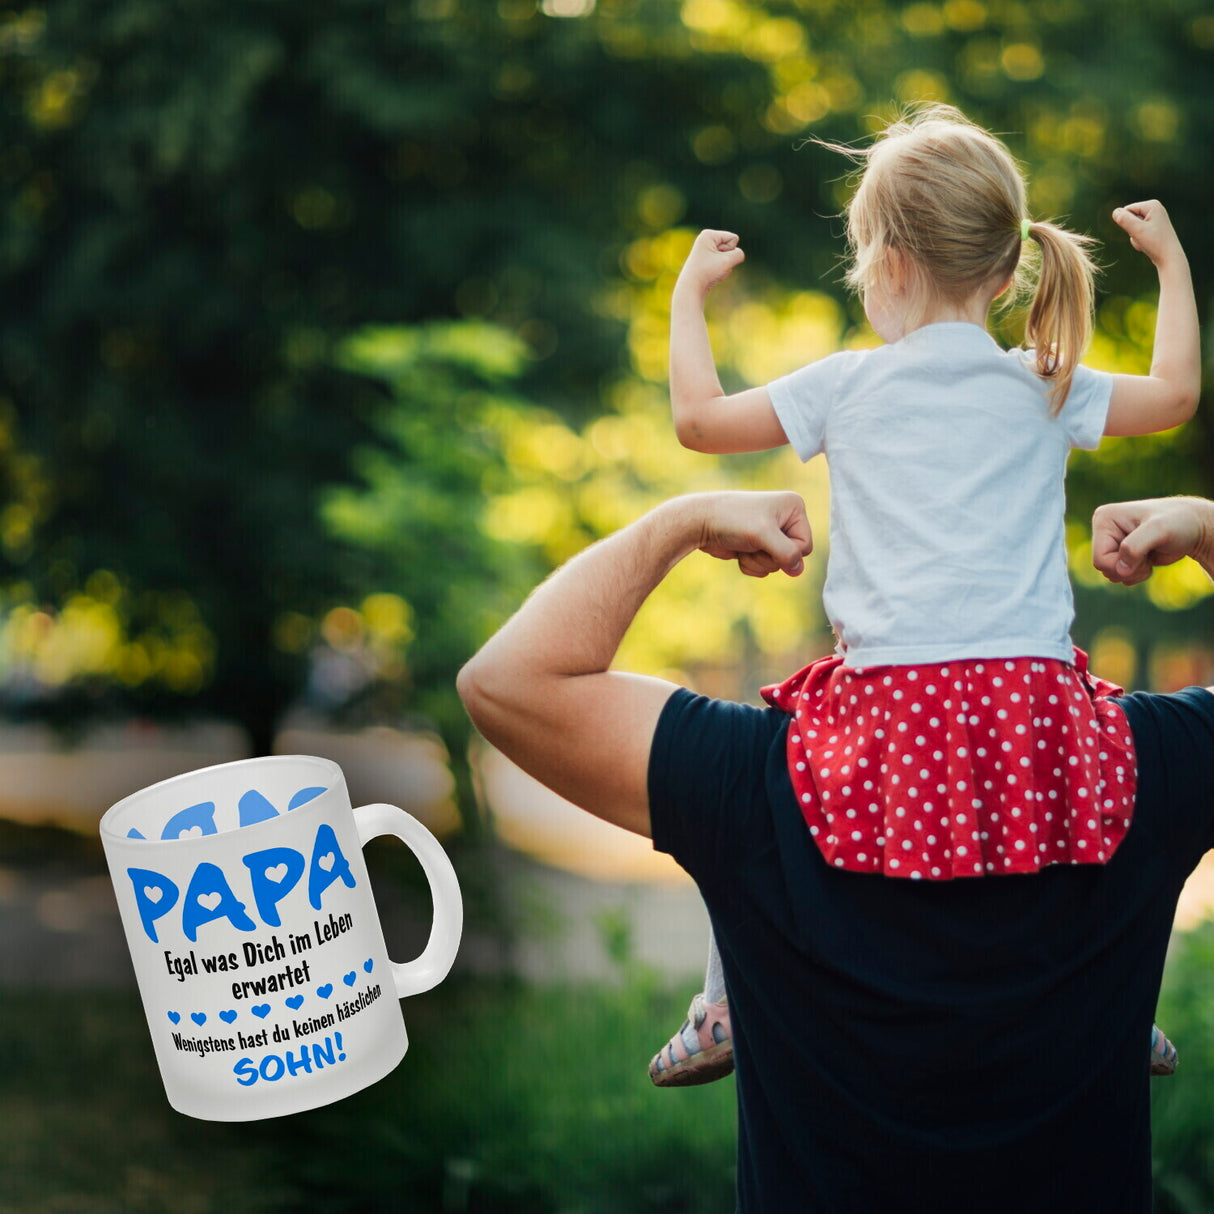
255, 939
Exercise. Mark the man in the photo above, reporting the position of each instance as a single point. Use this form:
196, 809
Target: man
970, 1045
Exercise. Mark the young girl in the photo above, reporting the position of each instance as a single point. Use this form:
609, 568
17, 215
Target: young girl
956, 732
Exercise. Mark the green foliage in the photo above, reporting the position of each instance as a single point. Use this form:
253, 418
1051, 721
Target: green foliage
412, 518
508, 1100
203, 201
564, 1117
86, 1126
1182, 1115
615, 931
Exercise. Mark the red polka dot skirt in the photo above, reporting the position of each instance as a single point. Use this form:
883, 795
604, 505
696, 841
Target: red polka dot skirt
959, 769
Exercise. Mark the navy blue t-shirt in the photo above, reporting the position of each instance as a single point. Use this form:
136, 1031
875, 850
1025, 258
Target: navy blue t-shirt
970, 1045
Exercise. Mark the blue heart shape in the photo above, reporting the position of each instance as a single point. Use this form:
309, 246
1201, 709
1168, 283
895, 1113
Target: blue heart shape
350, 978
323, 991
175, 1017
261, 1011
227, 1017
294, 1001
198, 1017
369, 964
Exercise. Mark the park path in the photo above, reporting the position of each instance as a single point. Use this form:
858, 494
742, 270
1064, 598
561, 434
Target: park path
59, 924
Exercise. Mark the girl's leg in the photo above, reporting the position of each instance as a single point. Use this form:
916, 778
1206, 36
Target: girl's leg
702, 1050
714, 975
1163, 1053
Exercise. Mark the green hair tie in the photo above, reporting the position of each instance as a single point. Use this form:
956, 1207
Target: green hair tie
1025, 224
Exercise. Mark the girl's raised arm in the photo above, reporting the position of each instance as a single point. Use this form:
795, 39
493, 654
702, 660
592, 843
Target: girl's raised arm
705, 419
1167, 397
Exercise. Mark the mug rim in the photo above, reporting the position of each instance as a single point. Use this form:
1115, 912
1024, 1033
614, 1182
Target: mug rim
110, 835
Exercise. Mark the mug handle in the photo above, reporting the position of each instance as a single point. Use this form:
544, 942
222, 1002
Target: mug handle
432, 966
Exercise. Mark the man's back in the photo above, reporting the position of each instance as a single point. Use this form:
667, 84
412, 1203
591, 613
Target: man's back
974, 1044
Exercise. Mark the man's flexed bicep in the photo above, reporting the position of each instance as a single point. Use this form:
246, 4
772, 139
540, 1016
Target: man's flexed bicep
588, 741
541, 689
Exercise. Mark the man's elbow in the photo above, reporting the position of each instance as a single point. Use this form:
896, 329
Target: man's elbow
500, 699
474, 683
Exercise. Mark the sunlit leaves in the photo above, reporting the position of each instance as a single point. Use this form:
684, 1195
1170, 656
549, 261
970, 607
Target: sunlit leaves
198, 212
531, 484
393, 352
57, 98
1022, 61
102, 634
1175, 587
1158, 121
371, 638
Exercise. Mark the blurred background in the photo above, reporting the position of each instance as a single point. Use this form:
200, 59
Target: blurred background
327, 328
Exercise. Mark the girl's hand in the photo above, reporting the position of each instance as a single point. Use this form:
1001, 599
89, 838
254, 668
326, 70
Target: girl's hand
1150, 230
711, 260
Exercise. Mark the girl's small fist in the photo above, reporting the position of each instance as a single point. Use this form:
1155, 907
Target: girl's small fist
1149, 229
712, 258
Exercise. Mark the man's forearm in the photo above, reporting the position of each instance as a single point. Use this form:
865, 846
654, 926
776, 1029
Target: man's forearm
574, 622
541, 691
1203, 548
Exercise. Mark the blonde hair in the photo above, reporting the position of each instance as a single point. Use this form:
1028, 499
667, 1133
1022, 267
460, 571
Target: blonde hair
949, 197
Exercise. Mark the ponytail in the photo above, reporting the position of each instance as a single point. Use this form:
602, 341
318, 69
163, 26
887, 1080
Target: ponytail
1060, 320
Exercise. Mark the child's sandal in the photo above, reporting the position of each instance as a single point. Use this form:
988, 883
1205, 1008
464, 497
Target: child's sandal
1163, 1053
700, 1052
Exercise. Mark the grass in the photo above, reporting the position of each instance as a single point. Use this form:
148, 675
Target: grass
1183, 1111
509, 1099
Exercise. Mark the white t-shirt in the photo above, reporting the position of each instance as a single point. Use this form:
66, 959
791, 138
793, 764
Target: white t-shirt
946, 473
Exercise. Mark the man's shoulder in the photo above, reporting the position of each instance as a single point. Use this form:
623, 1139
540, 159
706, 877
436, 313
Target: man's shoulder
1174, 750
1154, 715
694, 730
715, 768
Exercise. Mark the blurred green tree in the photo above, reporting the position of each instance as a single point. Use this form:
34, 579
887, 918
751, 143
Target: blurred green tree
414, 517
202, 200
